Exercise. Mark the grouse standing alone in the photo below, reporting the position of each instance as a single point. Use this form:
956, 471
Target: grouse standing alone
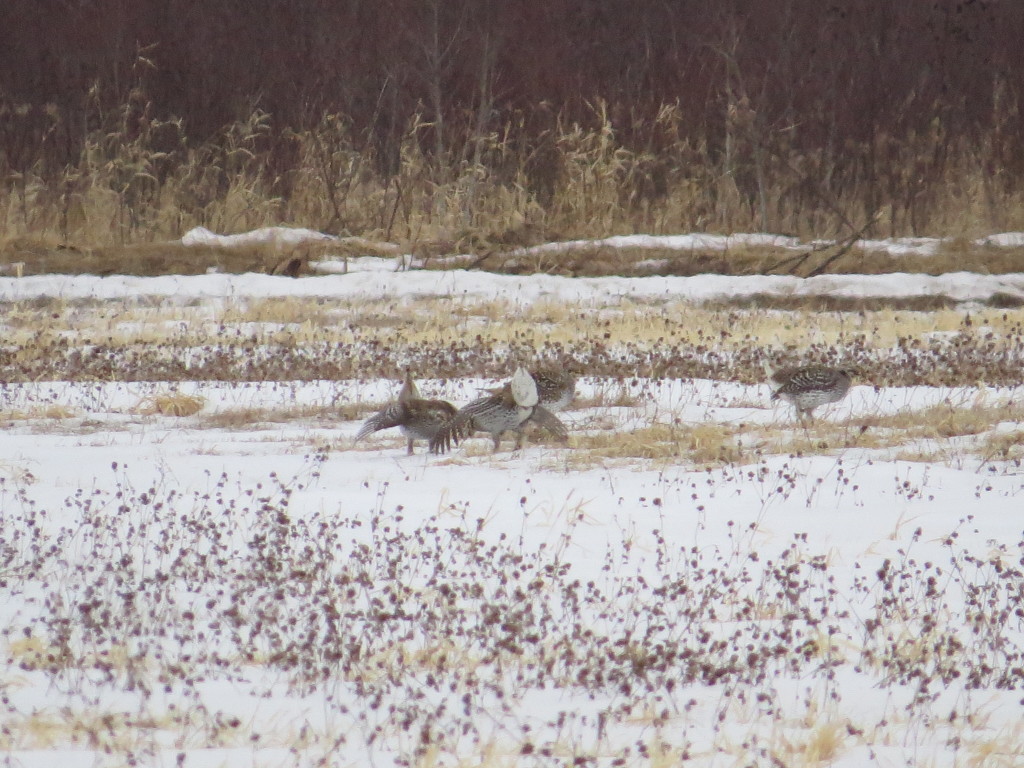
811, 386
418, 419
506, 409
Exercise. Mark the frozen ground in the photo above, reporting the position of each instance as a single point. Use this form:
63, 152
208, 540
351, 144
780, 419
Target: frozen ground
654, 540
374, 278
209, 591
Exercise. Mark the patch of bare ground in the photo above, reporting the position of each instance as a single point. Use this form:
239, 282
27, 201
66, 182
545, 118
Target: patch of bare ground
950, 255
48, 255
600, 260
38, 256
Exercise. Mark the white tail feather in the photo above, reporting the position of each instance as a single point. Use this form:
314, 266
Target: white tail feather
524, 389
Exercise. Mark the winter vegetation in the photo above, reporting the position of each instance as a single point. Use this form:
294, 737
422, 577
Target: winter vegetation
232, 232
204, 567
460, 126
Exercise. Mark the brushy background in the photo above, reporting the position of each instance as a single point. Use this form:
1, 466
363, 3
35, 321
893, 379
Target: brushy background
468, 125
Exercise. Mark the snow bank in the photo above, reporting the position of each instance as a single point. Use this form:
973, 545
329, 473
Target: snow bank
519, 289
281, 235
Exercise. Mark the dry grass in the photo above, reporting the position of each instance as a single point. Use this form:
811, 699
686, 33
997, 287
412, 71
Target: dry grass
310, 315
945, 420
170, 404
953, 255
699, 444
920, 435
609, 395
48, 255
42, 256
915, 435
1004, 750
920, 456
122, 205
818, 744
617, 342
429, 319
1003, 446
940, 421
250, 418
25, 255
49, 411
33, 653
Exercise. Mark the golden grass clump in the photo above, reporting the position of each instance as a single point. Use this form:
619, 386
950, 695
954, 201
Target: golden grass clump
172, 404
247, 418
1003, 446
823, 438
824, 743
700, 444
33, 653
52, 411
944, 420
921, 435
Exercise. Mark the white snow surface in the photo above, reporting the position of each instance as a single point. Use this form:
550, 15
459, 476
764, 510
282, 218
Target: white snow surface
681, 242
281, 235
687, 242
1004, 240
518, 289
856, 510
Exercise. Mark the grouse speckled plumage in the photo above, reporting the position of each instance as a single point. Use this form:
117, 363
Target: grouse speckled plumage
507, 409
556, 387
811, 386
418, 419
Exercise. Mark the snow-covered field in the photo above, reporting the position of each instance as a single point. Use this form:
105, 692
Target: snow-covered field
247, 586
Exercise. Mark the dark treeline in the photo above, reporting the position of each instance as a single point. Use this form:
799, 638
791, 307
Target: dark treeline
832, 86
